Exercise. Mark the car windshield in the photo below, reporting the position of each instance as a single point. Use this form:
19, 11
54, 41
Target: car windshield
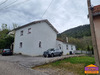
7, 49
50, 50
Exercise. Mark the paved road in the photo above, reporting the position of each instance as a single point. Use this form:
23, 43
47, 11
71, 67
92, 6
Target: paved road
7, 68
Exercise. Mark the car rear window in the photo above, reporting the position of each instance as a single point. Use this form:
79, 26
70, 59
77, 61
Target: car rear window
7, 49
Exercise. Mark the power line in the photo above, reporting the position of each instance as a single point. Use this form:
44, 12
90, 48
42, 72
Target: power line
47, 8
9, 4
3, 2
15, 4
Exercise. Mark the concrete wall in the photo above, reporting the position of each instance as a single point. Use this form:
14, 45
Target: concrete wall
97, 31
39, 32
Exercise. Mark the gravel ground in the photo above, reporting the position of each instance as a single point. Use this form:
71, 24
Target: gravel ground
7, 68
21, 65
29, 61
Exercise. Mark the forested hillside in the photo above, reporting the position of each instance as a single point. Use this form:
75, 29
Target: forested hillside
78, 32
80, 36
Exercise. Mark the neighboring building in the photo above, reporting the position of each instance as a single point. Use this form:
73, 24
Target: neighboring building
96, 22
36, 37
11, 33
65, 47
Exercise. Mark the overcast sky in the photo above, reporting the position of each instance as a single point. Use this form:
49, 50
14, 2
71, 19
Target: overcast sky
63, 14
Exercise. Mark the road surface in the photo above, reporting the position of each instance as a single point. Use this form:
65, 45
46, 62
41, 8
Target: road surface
7, 68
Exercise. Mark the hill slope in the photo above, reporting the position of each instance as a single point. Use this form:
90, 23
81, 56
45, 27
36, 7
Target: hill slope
77, 32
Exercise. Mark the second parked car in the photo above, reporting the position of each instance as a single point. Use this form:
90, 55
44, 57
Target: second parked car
7, 52
52, 52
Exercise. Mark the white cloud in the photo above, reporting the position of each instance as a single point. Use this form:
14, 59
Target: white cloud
63, 14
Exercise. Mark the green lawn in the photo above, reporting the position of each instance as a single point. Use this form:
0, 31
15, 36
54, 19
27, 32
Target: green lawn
74, 64
86, 60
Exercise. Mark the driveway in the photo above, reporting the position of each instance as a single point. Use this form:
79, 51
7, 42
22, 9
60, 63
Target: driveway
29, 61
7, 68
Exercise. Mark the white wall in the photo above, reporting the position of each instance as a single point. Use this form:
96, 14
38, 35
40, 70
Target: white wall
39, 32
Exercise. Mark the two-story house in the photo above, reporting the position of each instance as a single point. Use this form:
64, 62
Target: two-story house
36, 37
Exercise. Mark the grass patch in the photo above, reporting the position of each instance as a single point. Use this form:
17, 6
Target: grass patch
73, 64
77, 60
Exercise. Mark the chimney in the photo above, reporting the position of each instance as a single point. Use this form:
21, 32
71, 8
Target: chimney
67, 39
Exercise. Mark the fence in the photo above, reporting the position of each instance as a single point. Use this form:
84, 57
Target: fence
83, 52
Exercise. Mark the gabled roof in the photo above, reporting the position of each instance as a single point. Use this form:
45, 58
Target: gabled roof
34, 22
63, 41
96, 10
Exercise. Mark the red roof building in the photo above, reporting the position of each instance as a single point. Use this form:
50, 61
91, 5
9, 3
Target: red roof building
96, 10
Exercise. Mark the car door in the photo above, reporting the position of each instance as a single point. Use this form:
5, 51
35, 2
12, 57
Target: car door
56, 52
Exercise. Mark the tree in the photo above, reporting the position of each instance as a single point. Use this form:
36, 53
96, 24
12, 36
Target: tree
5, 40
15, 25
9, 40
4, 26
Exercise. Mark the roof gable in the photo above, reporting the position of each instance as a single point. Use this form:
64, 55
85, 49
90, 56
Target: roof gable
34, 22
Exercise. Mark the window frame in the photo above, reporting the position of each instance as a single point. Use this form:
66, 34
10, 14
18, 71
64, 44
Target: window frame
67, 47
71, 47
21, 33
21, 45
59, 45
29, 30
40, 44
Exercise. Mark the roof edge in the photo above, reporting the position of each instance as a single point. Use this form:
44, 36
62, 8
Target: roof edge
39, 21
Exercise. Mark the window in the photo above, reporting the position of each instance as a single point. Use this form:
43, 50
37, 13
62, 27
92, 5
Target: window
29, 30
71, 47
59, 46
67, 47
21, 33
39, 44
20, 44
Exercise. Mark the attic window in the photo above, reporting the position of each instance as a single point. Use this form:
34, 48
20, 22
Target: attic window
21, 33
29, 30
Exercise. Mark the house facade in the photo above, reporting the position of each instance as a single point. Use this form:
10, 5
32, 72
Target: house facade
35, 38
65, 47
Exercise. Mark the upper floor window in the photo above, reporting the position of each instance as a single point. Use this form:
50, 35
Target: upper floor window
71, 47
21, 44
29, 30
67, 47
21, 33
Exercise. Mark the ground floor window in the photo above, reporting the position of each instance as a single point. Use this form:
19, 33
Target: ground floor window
21, 44
39, 44
59, 45
67, 47
71, 47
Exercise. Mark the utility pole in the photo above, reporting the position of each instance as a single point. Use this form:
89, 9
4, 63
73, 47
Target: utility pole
94, 40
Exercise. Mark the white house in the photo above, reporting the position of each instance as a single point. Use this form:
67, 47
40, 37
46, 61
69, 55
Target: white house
36, 37
65, 47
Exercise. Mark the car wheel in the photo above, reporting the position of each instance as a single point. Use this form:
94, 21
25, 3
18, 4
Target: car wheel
2, 54
52, 55
44, 56
47, 56
59, 54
